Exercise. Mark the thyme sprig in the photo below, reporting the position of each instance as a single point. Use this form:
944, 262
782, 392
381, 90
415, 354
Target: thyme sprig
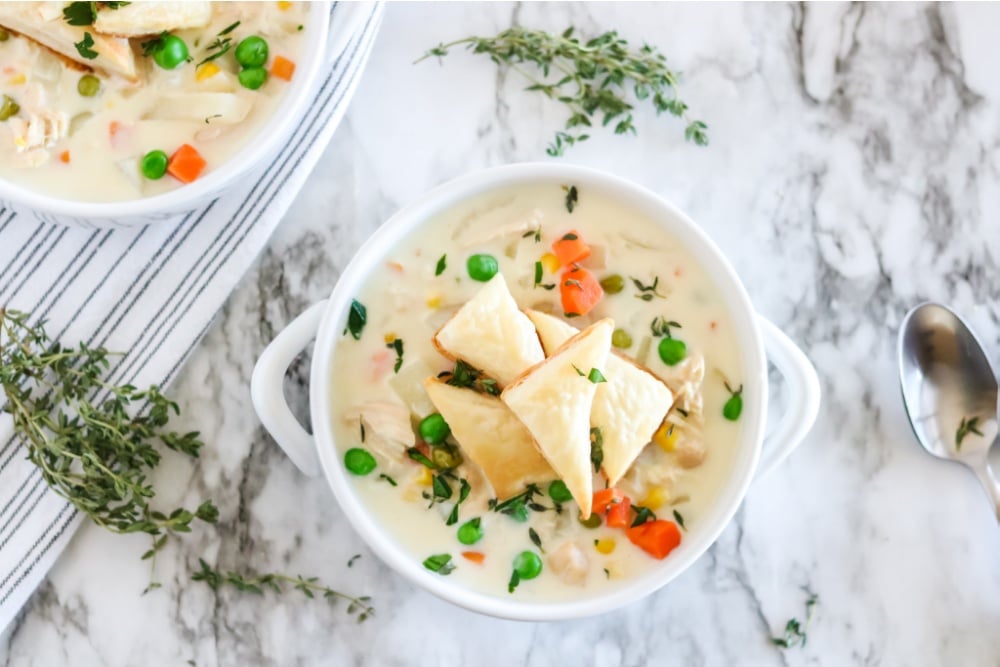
593, 79
968, 425
256, 583
94, 442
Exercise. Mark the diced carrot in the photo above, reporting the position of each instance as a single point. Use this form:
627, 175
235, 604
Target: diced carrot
605, 497
114, 128
474, 556
618, 513
64, 157
657, 538
186, 164
395, 266
283, 68
570, 248
580, 291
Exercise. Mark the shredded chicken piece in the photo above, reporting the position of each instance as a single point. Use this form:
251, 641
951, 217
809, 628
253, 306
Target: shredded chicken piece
570, 563
387, 427
684, 381
40, 130
530, 221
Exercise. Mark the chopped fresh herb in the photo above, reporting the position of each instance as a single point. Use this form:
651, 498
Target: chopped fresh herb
570, 237
967, 426
463, 493
357, 316
642, 515
418, 456
661, 327
221, 45
578, 371
80, 13
538, 278
535, 539
362, 431
517, 507
734, 405
208, 119
684, 413
386, 478
465, 375
151, 46
572, 196
83, 47
350, 563
441, 488
607, 573
795, 632
441, 265
440, 563
397, 345
596, 376
515, 579
596, 448
570, 316
573, 283
679, 519
647, 292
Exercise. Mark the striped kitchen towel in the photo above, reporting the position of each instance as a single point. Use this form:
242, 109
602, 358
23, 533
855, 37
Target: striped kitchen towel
151, 292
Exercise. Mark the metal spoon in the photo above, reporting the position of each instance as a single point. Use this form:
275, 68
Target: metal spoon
947, 381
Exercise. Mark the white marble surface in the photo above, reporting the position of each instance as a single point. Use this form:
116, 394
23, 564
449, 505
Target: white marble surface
854, 170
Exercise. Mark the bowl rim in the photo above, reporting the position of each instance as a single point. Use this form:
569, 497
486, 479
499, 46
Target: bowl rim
745, 455
257, 147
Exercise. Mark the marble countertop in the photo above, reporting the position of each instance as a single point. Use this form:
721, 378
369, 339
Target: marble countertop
854, 170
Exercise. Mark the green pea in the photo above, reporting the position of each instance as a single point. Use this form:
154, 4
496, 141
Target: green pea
593, 521
8, 108
613, 284
252, 51
153, 165
528, 565
359, 461
559, 492
733, 407
672, 351
621, 339
482, 267
445, 458
434, 429
88, 85
252, 77
471, 531
171, 52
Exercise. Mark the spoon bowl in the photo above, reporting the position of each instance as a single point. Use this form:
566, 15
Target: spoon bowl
949, 390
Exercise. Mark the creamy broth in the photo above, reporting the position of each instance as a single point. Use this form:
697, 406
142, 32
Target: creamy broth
89, 148
406, 300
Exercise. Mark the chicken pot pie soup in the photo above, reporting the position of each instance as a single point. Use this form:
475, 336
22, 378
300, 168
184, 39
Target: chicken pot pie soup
106, 101
538, 392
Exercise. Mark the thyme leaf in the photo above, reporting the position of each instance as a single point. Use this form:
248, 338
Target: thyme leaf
968, 425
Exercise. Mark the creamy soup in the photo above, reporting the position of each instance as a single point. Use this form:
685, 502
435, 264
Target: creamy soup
143, 98
664, 309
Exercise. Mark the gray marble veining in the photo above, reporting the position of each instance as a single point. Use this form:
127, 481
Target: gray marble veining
854, 170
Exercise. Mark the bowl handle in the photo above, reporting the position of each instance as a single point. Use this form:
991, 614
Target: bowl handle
804, 393
267, 391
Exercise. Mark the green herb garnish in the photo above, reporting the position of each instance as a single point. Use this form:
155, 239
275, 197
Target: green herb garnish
679, 519
386, 478
83, 47
596, 376
596, 448
463, 493
661, 327
465, 375
968, 425
350, 563
440, 563
357, 316
594, 79
642, 515
795, 632
535, 539
418, 456
80, 13
647, 292
256, 583
572, 196
578, 371
517, 507
397, 345
441, 265
221, 45
539, 272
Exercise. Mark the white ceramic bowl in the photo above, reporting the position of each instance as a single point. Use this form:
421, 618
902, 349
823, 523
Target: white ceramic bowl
325, 322
327, 35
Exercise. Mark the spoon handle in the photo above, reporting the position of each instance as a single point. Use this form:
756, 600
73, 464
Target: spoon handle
990, 483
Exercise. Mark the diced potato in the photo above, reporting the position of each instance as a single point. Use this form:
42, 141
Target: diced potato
570, 563
408, 385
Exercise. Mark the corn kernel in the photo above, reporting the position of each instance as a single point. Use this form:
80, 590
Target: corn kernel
17, 79
550, 262
206, 71
434, 301
666, 437
284, 5
656, 498
390, 338
424, 477
605, 546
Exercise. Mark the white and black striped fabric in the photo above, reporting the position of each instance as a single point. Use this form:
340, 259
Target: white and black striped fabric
150, 292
